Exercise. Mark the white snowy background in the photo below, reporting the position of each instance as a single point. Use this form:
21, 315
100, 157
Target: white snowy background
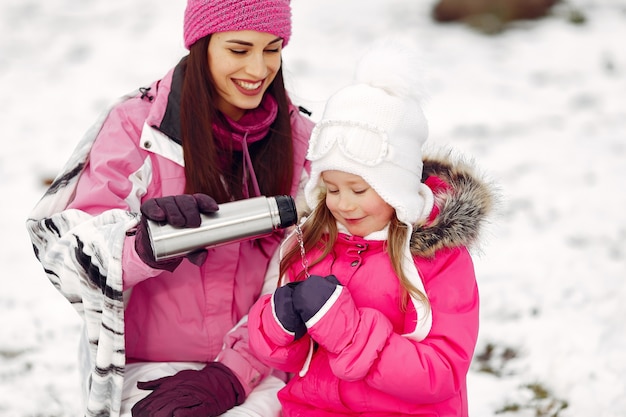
541, 107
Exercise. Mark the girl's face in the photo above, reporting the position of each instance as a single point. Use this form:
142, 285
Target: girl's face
355, 204
243, 64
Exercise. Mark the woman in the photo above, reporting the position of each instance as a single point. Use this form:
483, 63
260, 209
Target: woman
218, 127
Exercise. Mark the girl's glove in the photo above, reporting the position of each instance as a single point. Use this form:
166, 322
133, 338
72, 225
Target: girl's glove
312, 294
180, 211
284, 311
209, 392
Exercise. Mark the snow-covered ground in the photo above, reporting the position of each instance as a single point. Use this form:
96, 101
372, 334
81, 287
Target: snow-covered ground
540, 107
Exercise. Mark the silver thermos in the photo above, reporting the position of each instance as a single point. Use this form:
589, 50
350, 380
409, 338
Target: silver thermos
233, 222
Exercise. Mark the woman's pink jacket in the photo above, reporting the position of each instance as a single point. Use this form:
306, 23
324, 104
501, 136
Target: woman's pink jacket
192, 313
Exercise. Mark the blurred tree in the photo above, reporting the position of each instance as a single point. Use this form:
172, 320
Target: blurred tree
490, 16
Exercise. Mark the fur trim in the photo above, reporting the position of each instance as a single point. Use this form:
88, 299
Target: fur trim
464, 209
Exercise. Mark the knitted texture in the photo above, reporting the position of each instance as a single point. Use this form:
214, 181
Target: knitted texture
204, 17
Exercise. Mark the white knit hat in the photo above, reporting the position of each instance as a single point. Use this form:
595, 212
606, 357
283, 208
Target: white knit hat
375, 129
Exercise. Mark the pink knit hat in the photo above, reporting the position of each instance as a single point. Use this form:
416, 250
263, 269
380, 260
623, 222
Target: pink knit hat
203, 17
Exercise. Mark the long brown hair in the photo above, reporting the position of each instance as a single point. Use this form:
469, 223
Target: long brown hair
272, 157
321, 229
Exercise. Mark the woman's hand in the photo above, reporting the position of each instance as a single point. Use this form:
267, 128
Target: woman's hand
180, 211
208, 392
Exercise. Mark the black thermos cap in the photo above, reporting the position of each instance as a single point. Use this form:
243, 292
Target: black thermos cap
286, 210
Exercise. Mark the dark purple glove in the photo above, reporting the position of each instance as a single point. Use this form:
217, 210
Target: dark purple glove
209, 392
179, 211
311, 295
285, 312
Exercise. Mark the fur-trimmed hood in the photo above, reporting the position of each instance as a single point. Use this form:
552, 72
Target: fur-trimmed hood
465, 205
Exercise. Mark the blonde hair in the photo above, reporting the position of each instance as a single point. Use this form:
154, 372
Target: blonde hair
321, 222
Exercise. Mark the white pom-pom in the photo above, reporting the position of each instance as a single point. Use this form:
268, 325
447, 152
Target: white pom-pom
393, 67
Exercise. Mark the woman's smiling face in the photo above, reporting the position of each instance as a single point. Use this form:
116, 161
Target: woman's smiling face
243, 64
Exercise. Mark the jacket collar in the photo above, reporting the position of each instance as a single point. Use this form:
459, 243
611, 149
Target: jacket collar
464, 205
170, 123
164, 95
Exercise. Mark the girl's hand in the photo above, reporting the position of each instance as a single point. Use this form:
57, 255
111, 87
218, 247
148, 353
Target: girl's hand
312, 294
284, 310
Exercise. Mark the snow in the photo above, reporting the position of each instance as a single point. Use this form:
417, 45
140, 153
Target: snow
541, 108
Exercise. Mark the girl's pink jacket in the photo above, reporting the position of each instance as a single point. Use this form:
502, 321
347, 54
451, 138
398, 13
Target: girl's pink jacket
367, 367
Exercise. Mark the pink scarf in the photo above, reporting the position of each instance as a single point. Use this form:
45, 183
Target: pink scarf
252, 127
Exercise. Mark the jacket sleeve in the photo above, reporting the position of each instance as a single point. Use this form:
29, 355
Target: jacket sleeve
238, 357
421, 372
117, 176
81, 252
271, 343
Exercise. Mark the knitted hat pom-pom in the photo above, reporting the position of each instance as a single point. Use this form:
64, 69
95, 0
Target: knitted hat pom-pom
394, 68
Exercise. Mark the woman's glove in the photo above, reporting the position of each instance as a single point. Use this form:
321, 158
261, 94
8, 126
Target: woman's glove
312, 294
209, 392
180, 211
284, 310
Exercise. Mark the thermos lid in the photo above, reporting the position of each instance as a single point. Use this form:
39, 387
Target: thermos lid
286, 210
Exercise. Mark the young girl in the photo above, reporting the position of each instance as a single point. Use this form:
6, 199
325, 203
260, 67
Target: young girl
217, 127
378, 311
